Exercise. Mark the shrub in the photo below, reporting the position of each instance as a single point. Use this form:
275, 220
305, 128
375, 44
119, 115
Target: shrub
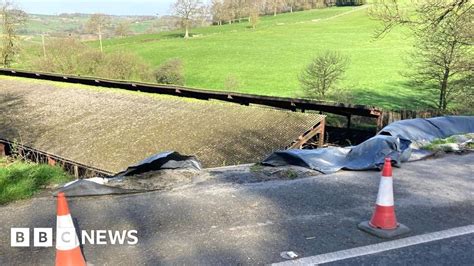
69, 56
350, 2
66, 56
170, 72
124, 66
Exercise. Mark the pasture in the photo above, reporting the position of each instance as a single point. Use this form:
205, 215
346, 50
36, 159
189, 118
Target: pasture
267, 60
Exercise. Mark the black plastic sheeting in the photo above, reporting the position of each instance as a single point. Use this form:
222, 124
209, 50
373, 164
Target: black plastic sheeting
164, 160
400, 140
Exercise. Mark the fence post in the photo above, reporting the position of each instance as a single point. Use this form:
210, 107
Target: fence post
349, 116
76, 171
2, 150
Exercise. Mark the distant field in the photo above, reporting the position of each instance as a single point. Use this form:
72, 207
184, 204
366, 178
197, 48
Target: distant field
75, 24
268, 60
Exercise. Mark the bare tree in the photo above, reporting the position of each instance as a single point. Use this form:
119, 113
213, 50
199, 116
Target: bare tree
291, 4
11, 19
276, 6
187, 10
240, 9
97, 23
229, 11
442, 60
323, 73
254, 16
217, 11
123, 29
393, 13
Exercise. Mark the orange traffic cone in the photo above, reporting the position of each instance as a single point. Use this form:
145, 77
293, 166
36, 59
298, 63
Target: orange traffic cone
68, 251
384, 221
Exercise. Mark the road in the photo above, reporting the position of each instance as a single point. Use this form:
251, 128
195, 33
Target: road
217, 222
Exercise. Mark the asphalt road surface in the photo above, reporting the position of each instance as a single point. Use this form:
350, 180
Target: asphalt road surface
214, 222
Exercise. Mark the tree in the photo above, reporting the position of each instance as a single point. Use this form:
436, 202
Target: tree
122, 29
228, 11
187, 10
254, 16
276, 5
393, 13
323, 74
217, 11
291, 4
11, 19
97, 23
240, 9
442, 60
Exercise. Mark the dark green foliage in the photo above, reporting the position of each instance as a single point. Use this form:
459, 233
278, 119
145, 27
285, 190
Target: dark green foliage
350, 2
170, 72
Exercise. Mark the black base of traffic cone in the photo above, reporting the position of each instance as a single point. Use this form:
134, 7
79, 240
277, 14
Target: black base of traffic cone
383, 233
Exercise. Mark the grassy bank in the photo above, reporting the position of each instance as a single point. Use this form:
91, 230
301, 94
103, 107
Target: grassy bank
21, 180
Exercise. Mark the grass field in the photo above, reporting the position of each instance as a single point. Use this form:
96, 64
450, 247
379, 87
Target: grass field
267, 60
21, 180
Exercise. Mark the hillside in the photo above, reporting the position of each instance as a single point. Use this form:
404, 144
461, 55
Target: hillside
267, 60
74, 24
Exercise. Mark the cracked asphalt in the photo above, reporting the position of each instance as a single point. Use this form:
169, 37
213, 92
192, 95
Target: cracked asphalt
229, 223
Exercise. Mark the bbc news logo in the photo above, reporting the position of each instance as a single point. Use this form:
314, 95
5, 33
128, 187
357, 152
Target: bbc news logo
66, 237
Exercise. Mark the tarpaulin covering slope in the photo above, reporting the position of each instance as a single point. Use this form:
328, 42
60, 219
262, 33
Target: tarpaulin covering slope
400, 140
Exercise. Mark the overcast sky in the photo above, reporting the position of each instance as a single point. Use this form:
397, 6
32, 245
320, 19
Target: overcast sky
112, 7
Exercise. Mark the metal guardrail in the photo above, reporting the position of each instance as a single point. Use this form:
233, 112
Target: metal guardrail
347, 110
78, 170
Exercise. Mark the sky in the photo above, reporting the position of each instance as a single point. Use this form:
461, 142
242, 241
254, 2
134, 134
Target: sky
111, 7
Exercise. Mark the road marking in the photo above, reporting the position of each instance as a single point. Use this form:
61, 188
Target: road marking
381, 247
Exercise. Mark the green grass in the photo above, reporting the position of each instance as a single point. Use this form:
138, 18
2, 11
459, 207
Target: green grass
268, 60
21, 180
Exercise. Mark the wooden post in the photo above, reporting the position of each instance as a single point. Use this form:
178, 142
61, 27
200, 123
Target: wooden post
76, 171
44, 45
317, 129
51, 161
321, 133
380, 122
349, 121
2, 150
